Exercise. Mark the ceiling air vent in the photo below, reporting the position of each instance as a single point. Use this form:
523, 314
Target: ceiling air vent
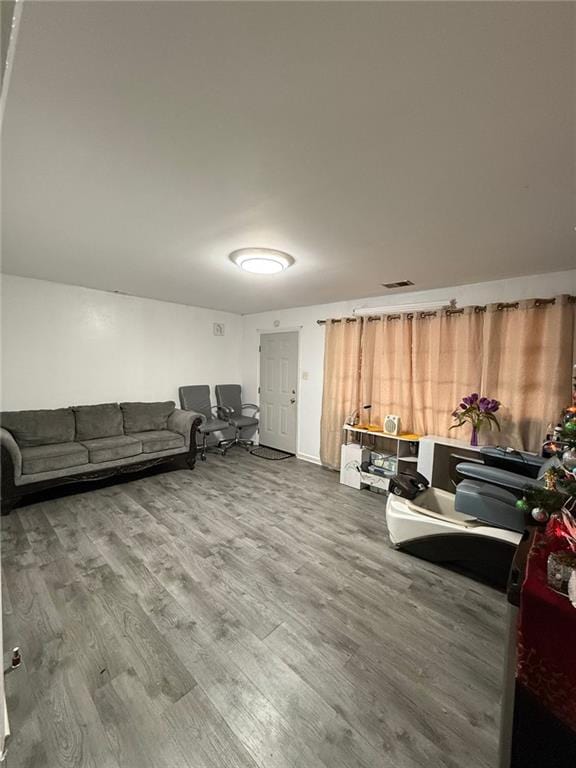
399, 284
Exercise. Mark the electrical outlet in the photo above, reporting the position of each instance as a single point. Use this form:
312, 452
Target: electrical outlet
218, 329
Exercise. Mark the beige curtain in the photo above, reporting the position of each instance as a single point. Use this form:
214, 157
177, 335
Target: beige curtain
387, 368
341, 392
446, 365
527, 365
419, 368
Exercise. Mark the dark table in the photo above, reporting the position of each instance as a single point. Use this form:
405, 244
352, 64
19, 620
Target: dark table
539, 703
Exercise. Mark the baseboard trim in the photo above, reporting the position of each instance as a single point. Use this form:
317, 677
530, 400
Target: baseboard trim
309, 458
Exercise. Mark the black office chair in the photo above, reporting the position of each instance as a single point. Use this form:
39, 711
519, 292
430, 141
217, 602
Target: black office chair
231, 407
197, 398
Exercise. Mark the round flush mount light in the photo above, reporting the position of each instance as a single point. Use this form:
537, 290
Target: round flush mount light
261, 261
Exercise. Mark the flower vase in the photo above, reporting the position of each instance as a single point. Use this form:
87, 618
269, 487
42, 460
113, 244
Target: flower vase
474, 436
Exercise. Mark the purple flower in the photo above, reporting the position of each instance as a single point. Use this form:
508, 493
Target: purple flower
478, 411
487, 405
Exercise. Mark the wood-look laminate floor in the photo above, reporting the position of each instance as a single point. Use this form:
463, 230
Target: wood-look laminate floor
249, 613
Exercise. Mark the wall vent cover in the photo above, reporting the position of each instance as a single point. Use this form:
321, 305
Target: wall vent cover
399, 284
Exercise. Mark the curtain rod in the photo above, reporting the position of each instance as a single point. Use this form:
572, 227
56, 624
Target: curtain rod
500, 306
407, 306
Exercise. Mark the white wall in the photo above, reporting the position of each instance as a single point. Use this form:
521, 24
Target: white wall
65, 345
312, 336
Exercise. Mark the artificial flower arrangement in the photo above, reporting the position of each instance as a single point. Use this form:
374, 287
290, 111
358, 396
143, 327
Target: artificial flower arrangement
478, 411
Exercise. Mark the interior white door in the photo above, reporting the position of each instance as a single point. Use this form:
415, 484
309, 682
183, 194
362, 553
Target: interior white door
278, 390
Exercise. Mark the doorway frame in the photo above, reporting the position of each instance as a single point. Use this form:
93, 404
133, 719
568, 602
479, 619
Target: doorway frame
291, 329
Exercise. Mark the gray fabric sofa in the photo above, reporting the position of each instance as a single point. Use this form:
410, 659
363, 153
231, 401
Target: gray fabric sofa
45, 448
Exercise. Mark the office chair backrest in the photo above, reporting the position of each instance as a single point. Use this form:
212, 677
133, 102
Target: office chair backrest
196, 398
230, 395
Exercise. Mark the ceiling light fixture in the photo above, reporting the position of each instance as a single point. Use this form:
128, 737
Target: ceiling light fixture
261, 261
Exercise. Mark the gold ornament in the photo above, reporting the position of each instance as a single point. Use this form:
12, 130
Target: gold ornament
550, 480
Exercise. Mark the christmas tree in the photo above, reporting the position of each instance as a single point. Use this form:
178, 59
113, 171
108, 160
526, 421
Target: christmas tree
563, 438
559, 491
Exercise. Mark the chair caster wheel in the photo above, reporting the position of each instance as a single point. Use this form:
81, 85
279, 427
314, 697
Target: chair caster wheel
202, 458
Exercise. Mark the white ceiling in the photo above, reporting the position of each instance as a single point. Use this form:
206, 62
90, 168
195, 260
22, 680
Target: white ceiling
373, 141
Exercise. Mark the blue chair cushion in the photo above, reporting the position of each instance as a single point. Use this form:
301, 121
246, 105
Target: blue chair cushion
243, 421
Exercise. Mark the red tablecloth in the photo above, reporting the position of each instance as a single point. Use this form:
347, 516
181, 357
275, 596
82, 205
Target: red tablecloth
547, 633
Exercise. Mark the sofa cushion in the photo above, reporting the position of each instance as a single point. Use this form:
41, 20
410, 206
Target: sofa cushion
40, 428
112, 448
141, 417
94, 421
159, 440
44, 458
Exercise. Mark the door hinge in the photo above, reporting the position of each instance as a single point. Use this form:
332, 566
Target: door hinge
258, 390
260, 348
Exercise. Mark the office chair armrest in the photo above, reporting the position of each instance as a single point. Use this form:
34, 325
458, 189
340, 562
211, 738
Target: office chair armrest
224, 412
495, 476
251, 405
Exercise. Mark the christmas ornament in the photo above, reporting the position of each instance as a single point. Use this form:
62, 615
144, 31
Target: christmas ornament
550, 480
569, 429
522, 505
569, 459
540, 515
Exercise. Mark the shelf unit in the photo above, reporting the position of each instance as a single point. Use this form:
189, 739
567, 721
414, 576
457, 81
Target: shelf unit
357, 446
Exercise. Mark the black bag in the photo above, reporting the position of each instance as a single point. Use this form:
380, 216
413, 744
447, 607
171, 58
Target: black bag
407, 485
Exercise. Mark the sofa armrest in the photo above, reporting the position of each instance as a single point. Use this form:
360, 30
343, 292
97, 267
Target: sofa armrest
11, 451
195, 414
185, 423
